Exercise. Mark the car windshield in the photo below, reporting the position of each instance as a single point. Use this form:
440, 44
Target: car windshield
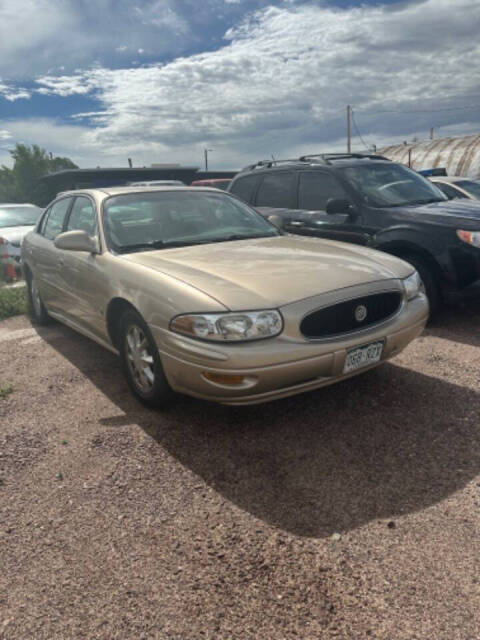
472, 186
391, 185
161, 220
19, 216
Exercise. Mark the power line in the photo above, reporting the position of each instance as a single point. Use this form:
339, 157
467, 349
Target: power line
358, 131
463, 108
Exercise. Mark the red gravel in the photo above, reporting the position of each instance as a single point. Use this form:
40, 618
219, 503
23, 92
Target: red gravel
350, 512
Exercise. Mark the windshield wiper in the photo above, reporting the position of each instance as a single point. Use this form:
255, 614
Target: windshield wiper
428, 201
239, 236
156, 244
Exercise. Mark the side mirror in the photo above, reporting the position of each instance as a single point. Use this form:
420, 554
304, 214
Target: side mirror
76, 241
276, 220
339, 205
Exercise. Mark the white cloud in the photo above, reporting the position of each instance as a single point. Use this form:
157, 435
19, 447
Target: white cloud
11, 93
281, 83
36, 34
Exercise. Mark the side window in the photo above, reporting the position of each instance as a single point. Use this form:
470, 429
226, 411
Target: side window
82, 216
449, 191
276, 190
315, 188
244, 187
54, 223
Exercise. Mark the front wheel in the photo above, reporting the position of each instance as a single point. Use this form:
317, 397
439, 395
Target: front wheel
429, 282
141, 362
37, 311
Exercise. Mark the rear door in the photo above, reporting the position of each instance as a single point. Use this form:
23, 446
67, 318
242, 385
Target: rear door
46, 259
276, 195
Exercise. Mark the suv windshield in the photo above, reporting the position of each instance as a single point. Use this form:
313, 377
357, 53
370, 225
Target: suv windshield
19, 216
156, 220
391, 185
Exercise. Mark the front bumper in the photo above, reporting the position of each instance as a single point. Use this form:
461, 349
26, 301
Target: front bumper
278, 367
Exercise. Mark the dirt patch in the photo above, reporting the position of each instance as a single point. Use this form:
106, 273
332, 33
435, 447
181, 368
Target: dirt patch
350, 512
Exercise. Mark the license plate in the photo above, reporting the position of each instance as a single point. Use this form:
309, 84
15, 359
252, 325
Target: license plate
363, 356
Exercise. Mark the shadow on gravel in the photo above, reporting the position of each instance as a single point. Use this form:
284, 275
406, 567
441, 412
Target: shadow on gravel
389, 442
460, 324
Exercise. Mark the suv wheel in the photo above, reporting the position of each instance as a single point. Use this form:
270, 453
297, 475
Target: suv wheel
37, 311
141, 361
429, 282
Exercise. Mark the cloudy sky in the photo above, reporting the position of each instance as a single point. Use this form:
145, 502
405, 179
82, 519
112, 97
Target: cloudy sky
160, 80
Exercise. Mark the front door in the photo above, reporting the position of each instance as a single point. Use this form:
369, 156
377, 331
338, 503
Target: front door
314, 190
87, 283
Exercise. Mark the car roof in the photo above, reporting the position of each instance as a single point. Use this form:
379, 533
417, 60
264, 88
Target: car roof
19, 204
123, 190
314, 161
452, 179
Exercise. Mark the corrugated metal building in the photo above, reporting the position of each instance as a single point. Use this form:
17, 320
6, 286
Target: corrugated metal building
460, 156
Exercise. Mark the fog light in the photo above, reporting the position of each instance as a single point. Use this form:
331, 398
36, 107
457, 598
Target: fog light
223, 378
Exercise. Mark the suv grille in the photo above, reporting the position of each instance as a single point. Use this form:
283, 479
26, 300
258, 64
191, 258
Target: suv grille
351, 315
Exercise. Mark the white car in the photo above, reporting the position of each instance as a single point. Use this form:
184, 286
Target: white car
458, 187
16, 220
157, 183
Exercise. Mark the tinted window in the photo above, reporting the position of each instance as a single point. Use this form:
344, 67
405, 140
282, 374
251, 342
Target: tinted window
54, 222
244, 188
450, 191
315, 188
82, 217
276, 190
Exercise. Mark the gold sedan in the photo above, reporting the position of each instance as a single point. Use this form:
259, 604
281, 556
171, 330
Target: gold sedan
199, 294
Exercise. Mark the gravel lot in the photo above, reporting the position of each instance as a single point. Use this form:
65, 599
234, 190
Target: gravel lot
350, 512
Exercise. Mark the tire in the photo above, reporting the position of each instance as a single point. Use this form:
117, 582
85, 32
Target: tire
141, 362
36, 309
429, 282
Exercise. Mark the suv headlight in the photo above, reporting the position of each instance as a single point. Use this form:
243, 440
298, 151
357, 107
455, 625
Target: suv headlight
412, 285
470, 237
229, 327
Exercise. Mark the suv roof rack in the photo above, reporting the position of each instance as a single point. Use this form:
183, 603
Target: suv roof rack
323, 158
326, 157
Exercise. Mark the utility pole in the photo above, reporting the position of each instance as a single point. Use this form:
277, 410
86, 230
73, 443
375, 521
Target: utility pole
349, 137
431, 133
205, 153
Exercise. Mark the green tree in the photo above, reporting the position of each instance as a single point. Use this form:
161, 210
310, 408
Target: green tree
20, 183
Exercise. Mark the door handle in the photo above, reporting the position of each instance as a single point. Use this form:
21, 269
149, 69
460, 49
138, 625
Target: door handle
297, 223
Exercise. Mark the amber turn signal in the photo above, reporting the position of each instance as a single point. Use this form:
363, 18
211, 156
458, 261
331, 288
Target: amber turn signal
223, 378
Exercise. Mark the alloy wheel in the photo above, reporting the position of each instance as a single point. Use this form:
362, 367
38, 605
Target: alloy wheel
140, 359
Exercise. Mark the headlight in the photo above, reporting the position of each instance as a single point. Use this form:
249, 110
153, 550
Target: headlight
229, 327
412, 285
470, 237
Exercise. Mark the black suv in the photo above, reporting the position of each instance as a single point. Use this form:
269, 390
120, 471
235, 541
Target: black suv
372, 201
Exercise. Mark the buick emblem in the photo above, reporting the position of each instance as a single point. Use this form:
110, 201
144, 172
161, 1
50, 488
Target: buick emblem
360, 313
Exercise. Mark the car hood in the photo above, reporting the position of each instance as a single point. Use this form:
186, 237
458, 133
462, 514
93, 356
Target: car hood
448, 213
14, 235
271, 272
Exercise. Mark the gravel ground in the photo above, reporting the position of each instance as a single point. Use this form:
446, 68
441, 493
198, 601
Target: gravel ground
350, 512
